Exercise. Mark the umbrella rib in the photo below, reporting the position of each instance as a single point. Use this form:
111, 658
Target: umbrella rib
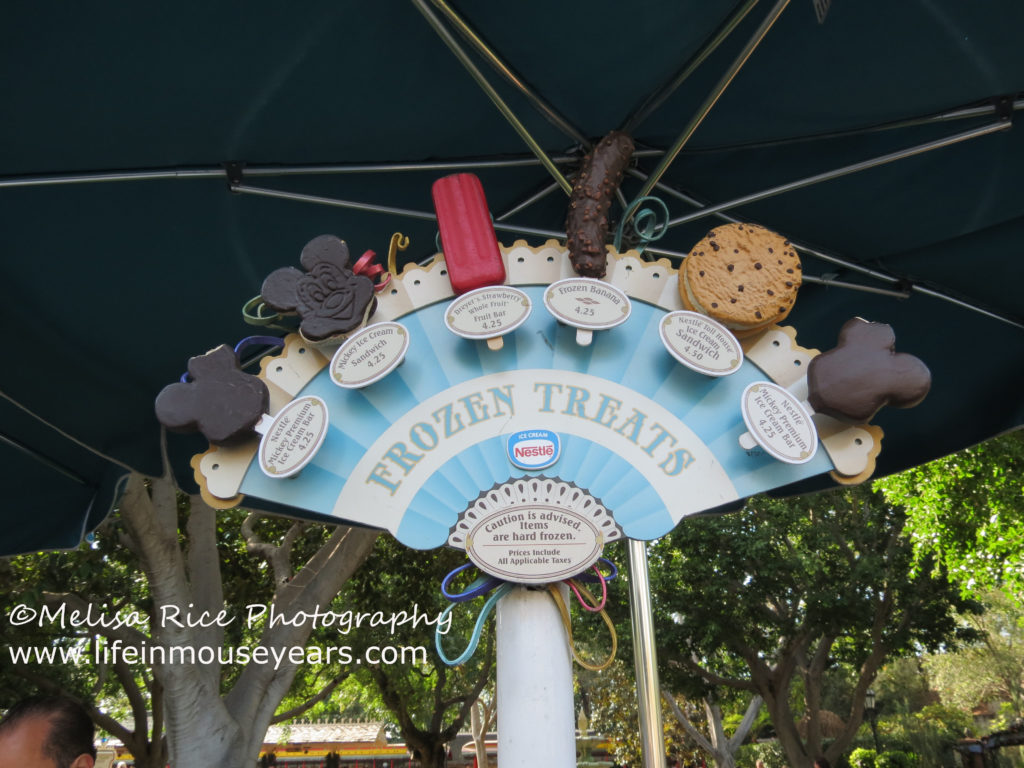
526, 203
994, 109
164, 174
713, 97
799, 246
64, 434
864, 165
840, 262
506, 111
656, 99
335, 202
386, 209
44, 460
503, 69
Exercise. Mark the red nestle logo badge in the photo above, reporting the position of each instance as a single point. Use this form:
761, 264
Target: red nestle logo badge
534, 448
524, 451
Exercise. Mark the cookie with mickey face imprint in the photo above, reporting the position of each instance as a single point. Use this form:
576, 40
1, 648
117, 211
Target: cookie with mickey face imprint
330, 298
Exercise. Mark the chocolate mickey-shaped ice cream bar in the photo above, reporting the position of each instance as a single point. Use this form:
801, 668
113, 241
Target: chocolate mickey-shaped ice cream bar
220, 400
863, 373
329, 297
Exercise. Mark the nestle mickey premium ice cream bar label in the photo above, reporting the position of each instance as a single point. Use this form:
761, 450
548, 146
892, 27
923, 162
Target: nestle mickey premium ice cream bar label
700, 343
779, 422
369, 354
488, 312
293, 436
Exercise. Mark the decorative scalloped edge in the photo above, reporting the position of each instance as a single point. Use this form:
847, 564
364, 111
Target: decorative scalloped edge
201, 480
653, 282
517, 494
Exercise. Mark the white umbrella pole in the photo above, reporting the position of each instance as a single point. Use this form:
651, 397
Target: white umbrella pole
535, 704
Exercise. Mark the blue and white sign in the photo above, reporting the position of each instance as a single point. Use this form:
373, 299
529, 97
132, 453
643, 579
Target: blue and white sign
534, 448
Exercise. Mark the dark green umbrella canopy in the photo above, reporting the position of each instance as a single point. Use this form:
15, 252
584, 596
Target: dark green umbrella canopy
126, 250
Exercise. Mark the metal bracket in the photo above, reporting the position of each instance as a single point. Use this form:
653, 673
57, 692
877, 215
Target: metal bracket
234, 172
1004, 107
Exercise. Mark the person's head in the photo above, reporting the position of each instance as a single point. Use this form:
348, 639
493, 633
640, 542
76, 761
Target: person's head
47, 732
821, 762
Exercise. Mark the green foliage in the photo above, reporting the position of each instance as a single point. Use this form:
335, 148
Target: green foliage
991, 669
967, 509
429, 702
611, 697
863, 758
800, 599
770, 752
896, 759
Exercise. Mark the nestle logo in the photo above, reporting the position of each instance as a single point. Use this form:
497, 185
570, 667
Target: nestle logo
534, 448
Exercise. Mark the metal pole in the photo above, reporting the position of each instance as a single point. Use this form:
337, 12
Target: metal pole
535, 710
648, 690
487, 88
658, 97
505, 71
874, 162
712, 99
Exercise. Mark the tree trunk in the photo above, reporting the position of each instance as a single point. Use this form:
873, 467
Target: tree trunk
479, 720
203, 728
433, 755
722, 749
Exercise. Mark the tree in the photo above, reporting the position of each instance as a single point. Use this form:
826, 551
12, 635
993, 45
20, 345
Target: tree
482, 719
721, 747
430, 701
967, 509
768, 600
217, 678
989, 670
610, 697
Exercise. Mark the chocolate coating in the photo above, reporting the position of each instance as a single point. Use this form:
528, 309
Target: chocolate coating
586, 224
329, 297
864, 373
221, 401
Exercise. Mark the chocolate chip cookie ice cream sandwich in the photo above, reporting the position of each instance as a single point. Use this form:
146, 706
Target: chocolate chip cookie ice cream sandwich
743, 275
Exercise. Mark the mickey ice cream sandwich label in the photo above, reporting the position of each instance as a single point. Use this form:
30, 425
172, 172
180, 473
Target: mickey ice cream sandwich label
369, 355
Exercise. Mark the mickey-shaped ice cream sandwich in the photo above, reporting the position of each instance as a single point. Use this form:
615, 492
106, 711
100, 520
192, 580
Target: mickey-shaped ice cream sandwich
220, 401
330, 298
863, 373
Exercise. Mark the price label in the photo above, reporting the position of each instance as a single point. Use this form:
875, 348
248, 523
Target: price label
488, 312
369, 355
779, 423
701, 343
292, 437
587, 303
